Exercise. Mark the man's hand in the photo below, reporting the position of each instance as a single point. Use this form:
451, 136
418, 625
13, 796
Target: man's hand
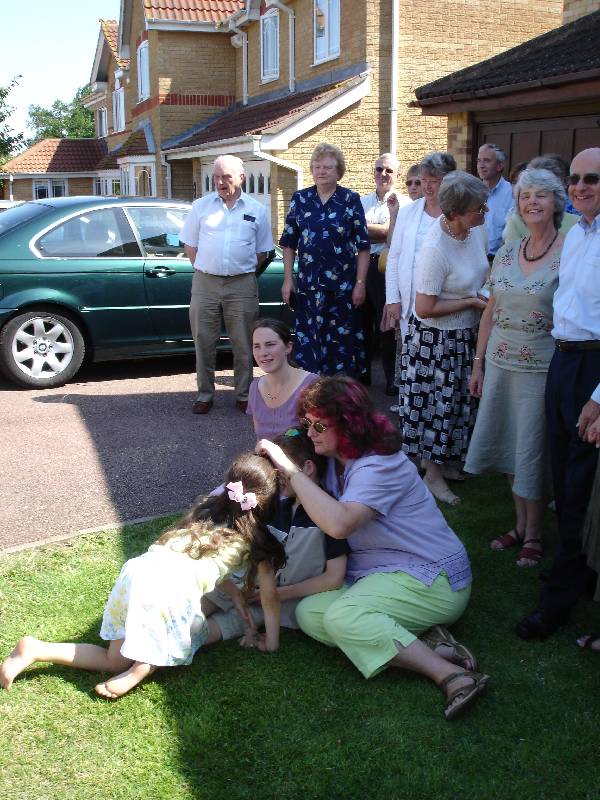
589, 414
593, 433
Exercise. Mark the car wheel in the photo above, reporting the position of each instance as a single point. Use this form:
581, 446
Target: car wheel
41, 349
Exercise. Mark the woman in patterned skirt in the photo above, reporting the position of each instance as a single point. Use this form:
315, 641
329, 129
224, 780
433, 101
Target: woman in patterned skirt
437, 412
326, 225
515, 345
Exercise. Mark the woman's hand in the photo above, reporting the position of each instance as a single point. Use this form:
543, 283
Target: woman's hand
359, 294
478, 303
276, 456
393, 204
476, 380
390, 319
286, 290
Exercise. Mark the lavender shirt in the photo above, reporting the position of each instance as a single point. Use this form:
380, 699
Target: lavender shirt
408, 533
270, 422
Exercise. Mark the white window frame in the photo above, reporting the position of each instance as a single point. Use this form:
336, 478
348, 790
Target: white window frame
50, 183
129, 179
102, 122
108, 185
331, 32
143, 71
269, 46
118, 98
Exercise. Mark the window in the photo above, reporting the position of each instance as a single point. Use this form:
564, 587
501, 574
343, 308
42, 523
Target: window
101, 123
269, 46
159, 229
107, 186
143, 180
49, 188
118, 99
96, 234
143, 72
327, 29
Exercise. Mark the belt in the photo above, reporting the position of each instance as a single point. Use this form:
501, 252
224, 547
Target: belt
574, 347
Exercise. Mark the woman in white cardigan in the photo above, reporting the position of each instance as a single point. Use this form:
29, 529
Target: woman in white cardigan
410, 225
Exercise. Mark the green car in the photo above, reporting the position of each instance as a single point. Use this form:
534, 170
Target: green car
101, 279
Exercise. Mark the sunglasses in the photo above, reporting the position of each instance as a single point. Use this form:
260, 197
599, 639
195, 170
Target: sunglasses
590, 179
387, 170
307, 424
414, 182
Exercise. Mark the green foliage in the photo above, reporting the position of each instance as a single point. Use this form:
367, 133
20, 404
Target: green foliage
62, 120
302, 722
10, 142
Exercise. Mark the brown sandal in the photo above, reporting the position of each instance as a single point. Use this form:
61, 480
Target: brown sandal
462, 698
510, 539
530, 553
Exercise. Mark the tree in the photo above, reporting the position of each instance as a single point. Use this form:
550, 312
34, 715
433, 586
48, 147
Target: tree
10, 142
62, 120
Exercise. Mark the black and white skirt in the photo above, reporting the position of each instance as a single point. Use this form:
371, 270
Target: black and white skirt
437, 413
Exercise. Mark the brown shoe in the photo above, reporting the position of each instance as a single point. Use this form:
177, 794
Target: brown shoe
241, 405
200, 407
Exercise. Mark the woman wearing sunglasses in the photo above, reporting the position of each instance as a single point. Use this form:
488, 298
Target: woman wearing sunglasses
408, 573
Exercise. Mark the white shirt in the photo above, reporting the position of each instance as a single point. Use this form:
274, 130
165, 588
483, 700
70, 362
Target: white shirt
377, 213
227, 239
577, 299
500, 201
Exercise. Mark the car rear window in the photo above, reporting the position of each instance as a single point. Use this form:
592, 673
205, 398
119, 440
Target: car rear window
19, 215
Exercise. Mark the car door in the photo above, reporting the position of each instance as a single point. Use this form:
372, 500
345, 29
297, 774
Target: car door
167, 272
92, 262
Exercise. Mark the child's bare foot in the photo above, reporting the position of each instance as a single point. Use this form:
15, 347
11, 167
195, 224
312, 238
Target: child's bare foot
21, 657
116, 687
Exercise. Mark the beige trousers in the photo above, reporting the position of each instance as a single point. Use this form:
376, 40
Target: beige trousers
236, 299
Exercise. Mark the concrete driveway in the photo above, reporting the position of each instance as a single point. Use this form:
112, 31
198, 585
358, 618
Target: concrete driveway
119, 444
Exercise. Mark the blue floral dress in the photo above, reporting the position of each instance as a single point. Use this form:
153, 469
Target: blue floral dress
329, 334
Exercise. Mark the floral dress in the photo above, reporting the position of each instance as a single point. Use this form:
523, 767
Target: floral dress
329, 333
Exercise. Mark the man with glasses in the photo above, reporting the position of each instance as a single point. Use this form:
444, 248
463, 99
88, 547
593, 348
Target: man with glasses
573, 399
377, 215
490, 165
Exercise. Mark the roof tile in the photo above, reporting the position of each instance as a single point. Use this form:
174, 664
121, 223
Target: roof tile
192, 10
110, 29
58, 155
564, 51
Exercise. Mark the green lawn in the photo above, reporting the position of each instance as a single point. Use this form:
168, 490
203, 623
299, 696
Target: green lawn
301, 723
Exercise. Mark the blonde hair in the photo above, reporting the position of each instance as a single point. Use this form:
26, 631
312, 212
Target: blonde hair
323, 150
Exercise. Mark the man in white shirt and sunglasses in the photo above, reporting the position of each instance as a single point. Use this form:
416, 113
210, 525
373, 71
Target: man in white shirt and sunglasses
573, 399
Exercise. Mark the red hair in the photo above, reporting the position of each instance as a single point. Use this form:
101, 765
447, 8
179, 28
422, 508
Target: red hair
347, 404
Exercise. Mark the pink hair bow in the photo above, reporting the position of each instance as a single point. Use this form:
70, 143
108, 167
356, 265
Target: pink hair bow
236, 493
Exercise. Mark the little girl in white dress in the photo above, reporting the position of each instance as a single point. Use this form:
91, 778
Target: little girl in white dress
153, 617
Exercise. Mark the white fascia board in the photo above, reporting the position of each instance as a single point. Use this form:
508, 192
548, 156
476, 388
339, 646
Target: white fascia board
51, 175
124, 160
96, 98
243, 144
98, 56
180, 25
282, 139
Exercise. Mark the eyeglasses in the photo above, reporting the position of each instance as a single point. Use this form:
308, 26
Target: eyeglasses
414, 182
387, 170
307, 424
590, 179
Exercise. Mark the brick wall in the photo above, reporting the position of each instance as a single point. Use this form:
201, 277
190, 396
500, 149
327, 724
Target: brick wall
83, 186
22, 189
574, 9
182, 180
460, 139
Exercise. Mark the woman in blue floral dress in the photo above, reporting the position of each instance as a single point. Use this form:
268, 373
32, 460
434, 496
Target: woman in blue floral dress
326, 225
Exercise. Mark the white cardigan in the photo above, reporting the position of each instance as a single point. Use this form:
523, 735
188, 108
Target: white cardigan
399, 272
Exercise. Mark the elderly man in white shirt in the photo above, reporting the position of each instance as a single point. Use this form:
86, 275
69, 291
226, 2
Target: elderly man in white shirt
377, 215
227, 236
491, 160
573, 399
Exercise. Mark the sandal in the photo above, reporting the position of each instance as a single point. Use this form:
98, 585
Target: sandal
530, 553
438, 635
510, 539
588, 642
445, 495
463, 697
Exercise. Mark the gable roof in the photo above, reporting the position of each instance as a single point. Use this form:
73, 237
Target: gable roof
565, 54
191, 10
58, 155
268, 117
110, 29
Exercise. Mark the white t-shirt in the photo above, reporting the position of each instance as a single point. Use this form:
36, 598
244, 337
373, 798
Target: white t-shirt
377, 213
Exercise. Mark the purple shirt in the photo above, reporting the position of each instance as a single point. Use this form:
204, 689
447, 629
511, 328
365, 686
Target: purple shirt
408, 533
270, 422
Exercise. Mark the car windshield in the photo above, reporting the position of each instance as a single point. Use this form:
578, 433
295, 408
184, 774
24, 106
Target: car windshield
19, 215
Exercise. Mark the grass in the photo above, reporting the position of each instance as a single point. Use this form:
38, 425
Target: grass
300, 723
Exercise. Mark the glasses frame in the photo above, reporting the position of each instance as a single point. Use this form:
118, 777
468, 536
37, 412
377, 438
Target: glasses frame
589, 179
307, 424
387, 170
411, 181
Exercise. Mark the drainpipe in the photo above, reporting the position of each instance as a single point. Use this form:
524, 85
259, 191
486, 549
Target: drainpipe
167, 165
394, 77
244, 36
280, 162
10, 186
291, 39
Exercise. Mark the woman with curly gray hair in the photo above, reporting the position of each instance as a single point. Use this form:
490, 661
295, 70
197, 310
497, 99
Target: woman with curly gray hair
515, 347
436, 410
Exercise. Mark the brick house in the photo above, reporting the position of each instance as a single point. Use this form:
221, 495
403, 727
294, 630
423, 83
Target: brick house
539, 97
175, 84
